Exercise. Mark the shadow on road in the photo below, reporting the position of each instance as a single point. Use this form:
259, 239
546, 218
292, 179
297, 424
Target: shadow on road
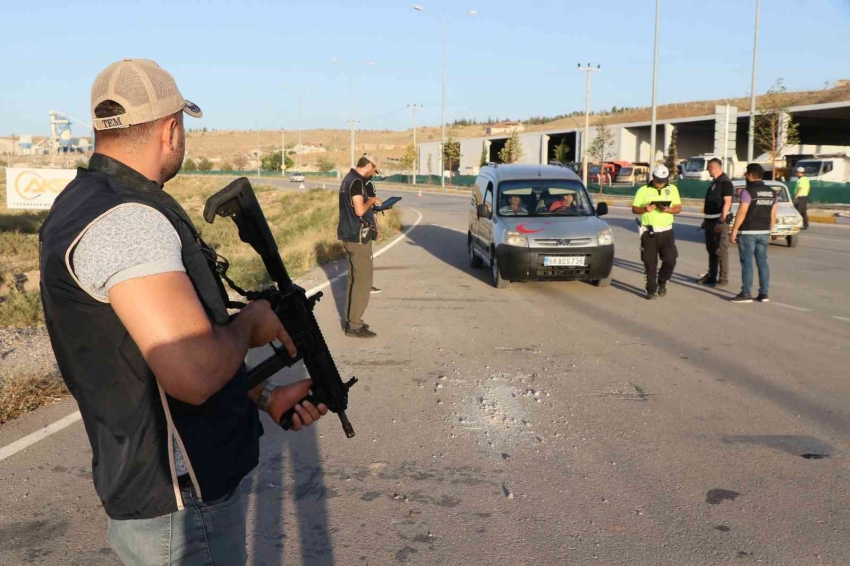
684, 280
291, 456
684, 232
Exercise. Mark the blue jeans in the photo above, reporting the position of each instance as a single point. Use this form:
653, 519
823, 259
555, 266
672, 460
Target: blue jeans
749, 246
208, 533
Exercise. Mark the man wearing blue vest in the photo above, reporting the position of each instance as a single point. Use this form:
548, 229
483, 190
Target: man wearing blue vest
754, 222
357, 231
138, 321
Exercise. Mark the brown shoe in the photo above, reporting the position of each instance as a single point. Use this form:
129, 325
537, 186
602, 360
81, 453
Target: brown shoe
362, 332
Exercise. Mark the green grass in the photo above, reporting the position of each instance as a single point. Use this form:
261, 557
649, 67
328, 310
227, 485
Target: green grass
303, 223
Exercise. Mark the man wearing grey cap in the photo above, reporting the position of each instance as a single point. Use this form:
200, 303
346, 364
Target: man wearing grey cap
139, 325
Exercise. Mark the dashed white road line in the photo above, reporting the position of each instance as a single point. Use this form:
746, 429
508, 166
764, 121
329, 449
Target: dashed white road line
791, 307
30, 439
844, 318
41, 434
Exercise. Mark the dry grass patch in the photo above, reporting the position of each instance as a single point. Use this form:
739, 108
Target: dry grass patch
21, 394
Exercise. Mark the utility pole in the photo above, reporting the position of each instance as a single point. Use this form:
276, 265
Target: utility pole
352, 123
413, 109
752, 133
282, 153
586, 135
652, 155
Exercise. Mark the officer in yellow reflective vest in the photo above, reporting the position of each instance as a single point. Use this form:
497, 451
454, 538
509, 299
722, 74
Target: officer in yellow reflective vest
657, 203
801, 196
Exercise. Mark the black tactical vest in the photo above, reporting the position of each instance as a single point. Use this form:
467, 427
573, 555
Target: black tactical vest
125, 413
348, 229
757, 220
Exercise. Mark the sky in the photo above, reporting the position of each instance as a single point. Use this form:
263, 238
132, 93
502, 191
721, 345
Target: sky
511, 59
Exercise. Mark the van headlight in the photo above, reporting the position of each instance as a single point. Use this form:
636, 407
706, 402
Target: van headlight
516, 239
605, 237
792, 220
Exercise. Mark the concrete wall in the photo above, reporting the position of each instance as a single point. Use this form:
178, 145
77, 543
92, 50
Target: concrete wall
470, 156
531, 146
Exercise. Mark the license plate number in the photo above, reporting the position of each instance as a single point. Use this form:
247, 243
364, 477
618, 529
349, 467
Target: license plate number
563, 261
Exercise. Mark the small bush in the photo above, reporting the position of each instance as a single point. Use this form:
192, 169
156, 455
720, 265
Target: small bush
21, 394
21, 309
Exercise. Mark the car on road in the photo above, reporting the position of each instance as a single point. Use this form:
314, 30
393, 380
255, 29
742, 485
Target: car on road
296, 177
788, 220
538, 223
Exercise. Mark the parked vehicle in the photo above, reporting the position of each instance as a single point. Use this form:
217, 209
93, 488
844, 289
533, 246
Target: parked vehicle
533, 222
697, 167
833, 168
788, 220
633, 175
296, 177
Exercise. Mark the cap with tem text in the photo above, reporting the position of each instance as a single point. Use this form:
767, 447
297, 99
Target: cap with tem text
146, 91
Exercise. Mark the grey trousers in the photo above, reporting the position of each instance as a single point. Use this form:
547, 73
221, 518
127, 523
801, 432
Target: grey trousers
203, 533
359, 283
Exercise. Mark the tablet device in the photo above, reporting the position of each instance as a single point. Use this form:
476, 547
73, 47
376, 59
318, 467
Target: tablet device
664, 203
388, 204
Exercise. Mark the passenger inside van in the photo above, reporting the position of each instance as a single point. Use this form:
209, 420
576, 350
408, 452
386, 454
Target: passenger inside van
513, 206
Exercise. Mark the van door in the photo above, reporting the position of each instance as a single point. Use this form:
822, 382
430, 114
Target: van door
477, 198
485, 225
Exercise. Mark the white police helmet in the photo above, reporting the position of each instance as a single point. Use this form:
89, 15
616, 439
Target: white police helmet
660, 172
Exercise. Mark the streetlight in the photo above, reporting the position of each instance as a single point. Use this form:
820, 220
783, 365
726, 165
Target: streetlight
352, 122
413, 108
753, 89
652, 156
301, 94
442, 21
586, 136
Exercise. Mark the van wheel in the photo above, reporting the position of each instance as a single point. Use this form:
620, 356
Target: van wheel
602, 282
475, 261
793, 240
498, 281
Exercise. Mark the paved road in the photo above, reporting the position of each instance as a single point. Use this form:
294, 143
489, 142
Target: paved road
549, 423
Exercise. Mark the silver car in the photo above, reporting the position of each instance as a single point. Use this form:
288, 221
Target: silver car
788, 220
537, 222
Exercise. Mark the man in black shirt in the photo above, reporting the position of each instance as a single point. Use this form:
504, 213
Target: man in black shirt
718, 203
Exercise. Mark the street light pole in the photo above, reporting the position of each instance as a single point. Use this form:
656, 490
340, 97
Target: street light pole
586, 135
282, 153
652, 156
442, 21
413, 109
352, 123
750, 142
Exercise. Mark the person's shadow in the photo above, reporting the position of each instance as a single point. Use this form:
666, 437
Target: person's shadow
285, 455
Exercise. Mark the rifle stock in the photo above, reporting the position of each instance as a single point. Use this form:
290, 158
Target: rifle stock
289, 302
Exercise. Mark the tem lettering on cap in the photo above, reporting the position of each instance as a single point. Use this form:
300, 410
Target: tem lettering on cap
112, 122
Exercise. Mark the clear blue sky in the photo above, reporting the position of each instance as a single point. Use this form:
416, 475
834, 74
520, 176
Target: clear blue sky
514, 59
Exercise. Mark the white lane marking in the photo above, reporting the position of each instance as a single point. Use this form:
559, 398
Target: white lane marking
791, 307
31, 439
447, 228
376, 254
844, 318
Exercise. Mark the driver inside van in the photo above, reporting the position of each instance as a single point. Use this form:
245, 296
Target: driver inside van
568, 201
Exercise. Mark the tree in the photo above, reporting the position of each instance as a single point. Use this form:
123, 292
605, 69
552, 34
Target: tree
485, 154
226, 166
326, 165
672, 160
775, 130
408, 160
602, 144
271, 161
451, 157
512, 152
562, 151
240, 162
190, 165
205, 164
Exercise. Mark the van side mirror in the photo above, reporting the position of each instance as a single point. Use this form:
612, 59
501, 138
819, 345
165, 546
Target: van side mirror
602, 209
482, 211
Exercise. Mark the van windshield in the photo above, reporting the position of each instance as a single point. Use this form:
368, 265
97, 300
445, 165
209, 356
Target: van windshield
812, 167
695, 165
542, 197
625, 171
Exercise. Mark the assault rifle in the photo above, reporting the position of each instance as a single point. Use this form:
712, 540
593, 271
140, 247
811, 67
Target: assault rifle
289, 301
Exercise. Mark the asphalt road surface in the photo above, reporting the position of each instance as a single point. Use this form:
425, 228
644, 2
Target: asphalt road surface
549, 423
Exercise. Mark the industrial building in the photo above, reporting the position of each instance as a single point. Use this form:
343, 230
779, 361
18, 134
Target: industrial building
722, 133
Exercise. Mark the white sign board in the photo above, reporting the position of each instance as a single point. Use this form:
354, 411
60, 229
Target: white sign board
35, 188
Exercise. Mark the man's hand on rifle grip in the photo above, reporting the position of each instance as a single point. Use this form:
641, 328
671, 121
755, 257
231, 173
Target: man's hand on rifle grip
264, 326
285, 397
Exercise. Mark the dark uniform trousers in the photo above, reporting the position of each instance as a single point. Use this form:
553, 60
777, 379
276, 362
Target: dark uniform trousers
651, 247
717, 244
802, 206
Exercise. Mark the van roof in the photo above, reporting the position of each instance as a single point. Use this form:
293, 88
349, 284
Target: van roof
526, 172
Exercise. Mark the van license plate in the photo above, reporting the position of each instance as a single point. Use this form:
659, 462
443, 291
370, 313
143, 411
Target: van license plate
563, 261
